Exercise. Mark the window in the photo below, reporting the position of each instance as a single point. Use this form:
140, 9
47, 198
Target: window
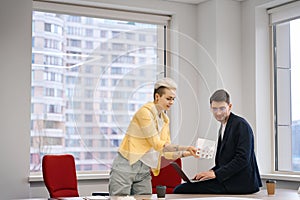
80, 64
286, 47
47, 27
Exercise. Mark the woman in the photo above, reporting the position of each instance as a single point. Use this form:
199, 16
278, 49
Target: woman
146, 140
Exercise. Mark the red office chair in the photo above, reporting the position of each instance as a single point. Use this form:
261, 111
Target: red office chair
59, 175
167, 176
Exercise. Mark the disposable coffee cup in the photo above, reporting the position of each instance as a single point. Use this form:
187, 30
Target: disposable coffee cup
271, 186
161, 191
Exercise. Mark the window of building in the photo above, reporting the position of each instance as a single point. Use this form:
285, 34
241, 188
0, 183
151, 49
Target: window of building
80, 62
89, 45
103, 118
285, 22
89, 32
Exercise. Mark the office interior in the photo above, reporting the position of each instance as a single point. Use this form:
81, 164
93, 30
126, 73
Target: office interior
235, 35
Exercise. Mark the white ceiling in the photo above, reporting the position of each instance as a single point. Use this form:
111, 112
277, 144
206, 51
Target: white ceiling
188, 1
193, 1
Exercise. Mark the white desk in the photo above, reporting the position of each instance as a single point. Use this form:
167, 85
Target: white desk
281, 194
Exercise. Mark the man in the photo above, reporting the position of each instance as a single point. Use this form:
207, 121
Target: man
146, 140
235, 170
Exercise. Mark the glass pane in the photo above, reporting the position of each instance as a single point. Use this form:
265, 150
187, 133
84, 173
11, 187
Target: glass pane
284, 148
295, 95
283, 100
288, 99
89, 76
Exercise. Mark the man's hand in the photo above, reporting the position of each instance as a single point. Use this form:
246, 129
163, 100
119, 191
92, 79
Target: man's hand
203, 176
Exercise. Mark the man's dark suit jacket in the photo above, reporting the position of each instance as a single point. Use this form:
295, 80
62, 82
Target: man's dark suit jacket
235, 161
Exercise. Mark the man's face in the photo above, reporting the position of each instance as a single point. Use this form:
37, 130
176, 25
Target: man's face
221, 110
166, 100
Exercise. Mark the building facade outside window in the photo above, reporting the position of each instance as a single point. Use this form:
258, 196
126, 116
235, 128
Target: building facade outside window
86, 84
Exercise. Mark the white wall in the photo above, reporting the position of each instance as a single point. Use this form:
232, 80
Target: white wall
215, 44
15, 56
219, 57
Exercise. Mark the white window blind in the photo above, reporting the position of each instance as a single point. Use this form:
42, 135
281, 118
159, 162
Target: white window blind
96, 9
284, 13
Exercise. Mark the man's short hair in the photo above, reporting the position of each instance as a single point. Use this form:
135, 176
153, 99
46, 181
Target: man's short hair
220, 96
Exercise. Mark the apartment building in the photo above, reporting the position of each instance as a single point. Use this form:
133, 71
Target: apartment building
88, 78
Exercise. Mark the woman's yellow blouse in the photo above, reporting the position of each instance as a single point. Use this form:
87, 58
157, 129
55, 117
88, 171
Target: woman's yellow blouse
142, 135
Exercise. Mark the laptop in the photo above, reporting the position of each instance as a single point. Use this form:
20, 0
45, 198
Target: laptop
182, 174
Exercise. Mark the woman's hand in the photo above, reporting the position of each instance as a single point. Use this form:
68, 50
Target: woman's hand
191, 151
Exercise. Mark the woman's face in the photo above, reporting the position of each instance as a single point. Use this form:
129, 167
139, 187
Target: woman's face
165, 101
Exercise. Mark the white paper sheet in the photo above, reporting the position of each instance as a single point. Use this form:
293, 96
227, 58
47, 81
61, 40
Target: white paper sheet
206, 148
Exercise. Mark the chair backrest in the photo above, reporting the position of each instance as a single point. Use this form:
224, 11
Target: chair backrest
167, 176
59, 174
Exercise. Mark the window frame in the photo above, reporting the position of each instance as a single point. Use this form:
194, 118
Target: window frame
99, 11
282, 15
